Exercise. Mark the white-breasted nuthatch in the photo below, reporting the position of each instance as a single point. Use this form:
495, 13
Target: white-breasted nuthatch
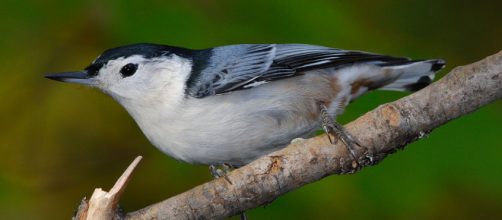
233, 104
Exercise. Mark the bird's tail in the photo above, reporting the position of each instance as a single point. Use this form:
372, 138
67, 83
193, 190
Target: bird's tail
412, 75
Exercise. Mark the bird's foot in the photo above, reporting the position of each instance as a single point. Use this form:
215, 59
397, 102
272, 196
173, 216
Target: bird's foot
332, 128
221, 171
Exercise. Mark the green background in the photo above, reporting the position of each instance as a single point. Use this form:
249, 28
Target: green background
60, 141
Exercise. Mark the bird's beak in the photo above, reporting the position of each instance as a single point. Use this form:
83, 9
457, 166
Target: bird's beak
80, 77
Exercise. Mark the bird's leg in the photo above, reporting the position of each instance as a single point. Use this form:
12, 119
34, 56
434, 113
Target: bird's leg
217, 173
331, 127
243, 216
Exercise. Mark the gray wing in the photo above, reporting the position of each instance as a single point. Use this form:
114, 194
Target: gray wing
236, 67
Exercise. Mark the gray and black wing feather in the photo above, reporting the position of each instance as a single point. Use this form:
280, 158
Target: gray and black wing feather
230, 68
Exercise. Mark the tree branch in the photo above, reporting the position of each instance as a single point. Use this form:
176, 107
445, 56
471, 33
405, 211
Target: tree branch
104, 205
382, 131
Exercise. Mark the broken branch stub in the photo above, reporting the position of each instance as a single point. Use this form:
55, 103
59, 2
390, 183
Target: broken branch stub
104, 205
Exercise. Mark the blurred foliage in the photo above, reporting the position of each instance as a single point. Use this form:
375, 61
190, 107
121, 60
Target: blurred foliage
58, 141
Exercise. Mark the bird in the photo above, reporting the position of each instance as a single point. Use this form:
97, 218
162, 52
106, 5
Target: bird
229, 105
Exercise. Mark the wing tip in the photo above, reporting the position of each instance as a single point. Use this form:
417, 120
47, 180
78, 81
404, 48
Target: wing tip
437, 65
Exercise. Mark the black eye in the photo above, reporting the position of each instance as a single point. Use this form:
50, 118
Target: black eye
128, 69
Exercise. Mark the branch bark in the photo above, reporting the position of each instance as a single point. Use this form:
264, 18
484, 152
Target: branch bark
382, 131
104, 205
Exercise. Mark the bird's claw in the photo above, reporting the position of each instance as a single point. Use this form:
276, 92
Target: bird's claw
332, 128
217, 172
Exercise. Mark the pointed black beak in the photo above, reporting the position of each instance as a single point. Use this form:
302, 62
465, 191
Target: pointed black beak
80, 77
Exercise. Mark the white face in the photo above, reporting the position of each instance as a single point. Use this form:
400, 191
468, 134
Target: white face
138, 79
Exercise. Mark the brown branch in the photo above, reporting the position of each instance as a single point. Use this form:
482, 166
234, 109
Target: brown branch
381, 131
103, 205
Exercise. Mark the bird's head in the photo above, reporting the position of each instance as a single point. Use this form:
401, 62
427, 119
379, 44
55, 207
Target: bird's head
135, 72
